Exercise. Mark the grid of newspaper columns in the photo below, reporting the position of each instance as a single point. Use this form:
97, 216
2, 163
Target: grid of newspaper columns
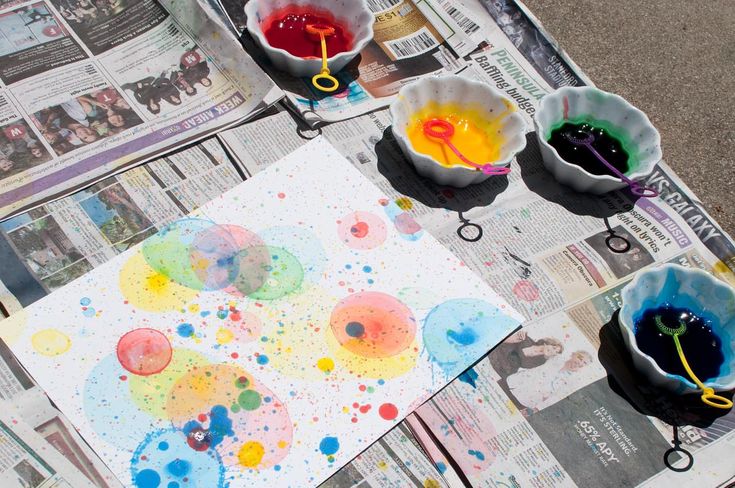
546, 250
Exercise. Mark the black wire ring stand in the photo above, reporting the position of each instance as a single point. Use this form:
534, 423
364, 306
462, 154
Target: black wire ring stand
612, 238
467, 225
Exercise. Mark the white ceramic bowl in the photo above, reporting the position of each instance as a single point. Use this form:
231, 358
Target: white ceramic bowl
682, 287
467, 93
591, 104
353, 14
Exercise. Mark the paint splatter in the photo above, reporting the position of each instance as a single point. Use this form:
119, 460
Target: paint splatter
362, 230
329, 447
388, 411
470, 377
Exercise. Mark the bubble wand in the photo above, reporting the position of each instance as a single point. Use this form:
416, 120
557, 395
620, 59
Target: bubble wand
443, 130
323, 31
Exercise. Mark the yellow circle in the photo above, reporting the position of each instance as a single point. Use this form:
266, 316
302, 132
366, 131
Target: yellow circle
224, 335
251, 454
150, 290
50, 342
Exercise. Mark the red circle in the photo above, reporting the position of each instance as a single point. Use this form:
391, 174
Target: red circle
144, 351
360, 229
527, 291
190, 58
388, 411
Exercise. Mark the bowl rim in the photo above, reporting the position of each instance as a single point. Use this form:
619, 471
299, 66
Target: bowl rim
643, 171
628, 328
254, 29
452, 78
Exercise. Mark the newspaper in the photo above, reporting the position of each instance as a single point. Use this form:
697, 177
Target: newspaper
47, 247
413, 38
89, 88
40, 446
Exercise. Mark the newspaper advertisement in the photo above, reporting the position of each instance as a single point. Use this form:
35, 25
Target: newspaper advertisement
49, 246
88, 88
413, 38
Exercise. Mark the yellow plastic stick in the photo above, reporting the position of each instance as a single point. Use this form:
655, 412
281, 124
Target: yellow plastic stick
323, 31
708, 394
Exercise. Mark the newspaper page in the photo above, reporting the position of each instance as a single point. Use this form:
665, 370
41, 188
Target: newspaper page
413, 38
27, 461
90, 88
33, 408
47, 247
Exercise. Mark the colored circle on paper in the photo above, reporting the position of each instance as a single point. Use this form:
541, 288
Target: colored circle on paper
362, 230
164, 457
144, 351
145, 288
373, 325
50, 342
285, 275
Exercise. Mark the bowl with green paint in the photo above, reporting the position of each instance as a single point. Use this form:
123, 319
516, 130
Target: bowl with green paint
623, 135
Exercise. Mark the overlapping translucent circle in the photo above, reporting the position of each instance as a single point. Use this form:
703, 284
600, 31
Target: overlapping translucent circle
205, 256
373, 325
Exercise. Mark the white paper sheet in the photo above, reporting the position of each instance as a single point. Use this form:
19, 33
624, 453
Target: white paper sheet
268, 348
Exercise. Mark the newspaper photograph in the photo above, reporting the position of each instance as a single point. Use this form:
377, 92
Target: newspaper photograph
91, 88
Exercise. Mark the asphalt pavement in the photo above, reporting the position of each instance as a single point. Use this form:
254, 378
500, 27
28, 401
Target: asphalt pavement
675, 60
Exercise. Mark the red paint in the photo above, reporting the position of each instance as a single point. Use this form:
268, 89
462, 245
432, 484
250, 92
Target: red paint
144, 351
234, 355
388, 411
362, 387
359, 229
526, 290
123, 378
286, 29
365, 409
354, 420
202, 417
281, 196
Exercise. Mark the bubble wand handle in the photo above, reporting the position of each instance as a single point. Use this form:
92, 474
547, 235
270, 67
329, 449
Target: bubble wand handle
708, 394
443, 130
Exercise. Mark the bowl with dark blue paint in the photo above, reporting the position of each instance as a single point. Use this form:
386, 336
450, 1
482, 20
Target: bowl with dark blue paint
675, 295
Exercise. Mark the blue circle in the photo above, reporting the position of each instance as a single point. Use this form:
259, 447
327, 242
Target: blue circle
185, 330
329, 446
355, 329
163, 446
147, 479
367, 269
179, 467
262, 359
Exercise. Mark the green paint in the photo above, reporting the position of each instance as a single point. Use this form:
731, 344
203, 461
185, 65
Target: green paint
285, 275
249, 400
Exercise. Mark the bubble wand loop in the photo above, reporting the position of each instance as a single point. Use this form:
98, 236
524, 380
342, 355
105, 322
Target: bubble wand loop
708, 394
323, 31
443, 130
586, 139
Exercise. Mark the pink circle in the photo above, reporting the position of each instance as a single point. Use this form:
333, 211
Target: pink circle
526, 291
144, 351
362, 230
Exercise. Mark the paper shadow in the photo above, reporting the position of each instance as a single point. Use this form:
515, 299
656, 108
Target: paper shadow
403, 177
542, 183
628, 383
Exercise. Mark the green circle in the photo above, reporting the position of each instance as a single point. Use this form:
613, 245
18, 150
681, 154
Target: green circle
285, 275
249, 400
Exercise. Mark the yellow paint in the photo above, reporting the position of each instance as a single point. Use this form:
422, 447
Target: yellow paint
475, 134
325, 364
282, 444
382, 465
145, 288
431, 483
202, 387
224, 335
404, 203
50, 342
251, 454
194, 308
150, 393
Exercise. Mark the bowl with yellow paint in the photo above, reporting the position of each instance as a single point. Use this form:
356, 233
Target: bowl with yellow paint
487, 128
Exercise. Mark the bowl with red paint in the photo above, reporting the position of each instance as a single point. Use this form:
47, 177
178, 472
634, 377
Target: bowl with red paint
279, 28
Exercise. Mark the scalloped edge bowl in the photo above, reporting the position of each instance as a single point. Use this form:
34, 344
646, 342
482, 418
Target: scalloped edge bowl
598, 105
691, 288
355, 14
456, 89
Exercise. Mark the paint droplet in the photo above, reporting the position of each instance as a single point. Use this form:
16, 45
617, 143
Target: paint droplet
147, 479
50, 342
329, 446
249, 400
367, 269
251, 454
262, 359
325, 364
144, 351
281, 196
85, 301
185, 330
388, 411
224, 335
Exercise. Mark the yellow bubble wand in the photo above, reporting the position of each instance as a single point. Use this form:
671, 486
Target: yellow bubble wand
708, 394
323, 31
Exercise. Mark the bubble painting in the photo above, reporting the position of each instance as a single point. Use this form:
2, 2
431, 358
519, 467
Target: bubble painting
264, 340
